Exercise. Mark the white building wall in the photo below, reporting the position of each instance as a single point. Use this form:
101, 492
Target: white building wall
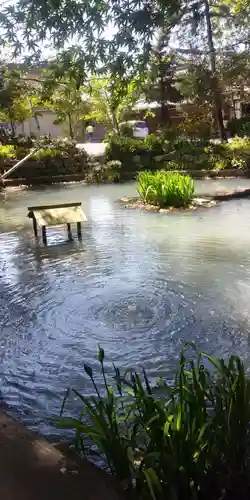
46, 126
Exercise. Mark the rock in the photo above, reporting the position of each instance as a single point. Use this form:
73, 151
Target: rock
203, 202
136, 159
137, 203
159, 158
125, 199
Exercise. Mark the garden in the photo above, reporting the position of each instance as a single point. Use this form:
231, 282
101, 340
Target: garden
191, 155
186, 439
125, 158
138, 284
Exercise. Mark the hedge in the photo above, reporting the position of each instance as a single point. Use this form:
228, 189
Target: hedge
60, 157
179, 154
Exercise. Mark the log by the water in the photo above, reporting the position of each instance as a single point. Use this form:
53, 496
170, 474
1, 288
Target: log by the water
242, 193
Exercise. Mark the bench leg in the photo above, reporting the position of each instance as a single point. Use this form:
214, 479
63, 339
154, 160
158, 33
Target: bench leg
69, 232
79, 230
44, 236
35, 227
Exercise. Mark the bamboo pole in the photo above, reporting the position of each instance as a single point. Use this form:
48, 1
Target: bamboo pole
6, 174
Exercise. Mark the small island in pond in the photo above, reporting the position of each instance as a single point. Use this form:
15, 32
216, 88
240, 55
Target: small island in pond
163, 191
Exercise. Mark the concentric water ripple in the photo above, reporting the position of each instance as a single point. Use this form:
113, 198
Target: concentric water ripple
139, 284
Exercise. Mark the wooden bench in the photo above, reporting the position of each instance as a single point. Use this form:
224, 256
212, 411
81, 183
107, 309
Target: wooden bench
55, 215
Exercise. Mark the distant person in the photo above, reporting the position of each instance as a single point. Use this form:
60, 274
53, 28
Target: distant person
90, 131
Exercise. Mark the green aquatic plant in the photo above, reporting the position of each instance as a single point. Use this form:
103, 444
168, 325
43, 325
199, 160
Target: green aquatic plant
165, 189
186, 440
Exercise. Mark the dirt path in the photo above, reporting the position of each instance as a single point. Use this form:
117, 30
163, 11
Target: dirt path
33, 469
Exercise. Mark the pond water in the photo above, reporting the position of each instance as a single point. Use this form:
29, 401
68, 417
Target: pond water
140, 284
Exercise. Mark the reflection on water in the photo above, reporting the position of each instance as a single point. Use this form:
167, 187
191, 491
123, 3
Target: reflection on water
140, 284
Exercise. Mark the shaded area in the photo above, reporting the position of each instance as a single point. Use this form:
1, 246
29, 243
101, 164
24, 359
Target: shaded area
32, 469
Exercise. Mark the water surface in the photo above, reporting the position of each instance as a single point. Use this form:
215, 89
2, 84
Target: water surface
140, 284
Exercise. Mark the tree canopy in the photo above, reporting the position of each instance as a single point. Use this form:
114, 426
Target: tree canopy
196, 49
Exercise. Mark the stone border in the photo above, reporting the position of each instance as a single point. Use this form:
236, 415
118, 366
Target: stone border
196, 174
46, 179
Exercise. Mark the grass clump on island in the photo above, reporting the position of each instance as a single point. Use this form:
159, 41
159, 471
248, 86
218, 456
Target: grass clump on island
185, 440
165, 189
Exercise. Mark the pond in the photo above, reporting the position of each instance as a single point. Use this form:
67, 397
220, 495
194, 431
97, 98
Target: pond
140, 284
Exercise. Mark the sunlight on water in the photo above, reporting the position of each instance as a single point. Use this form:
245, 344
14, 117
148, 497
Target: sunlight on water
140, 284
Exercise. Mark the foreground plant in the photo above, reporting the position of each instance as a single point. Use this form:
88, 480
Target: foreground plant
165, 189
187, 440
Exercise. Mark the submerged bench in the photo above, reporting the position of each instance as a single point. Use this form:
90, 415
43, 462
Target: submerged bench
55, 215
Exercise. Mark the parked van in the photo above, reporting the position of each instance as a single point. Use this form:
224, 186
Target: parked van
135, 128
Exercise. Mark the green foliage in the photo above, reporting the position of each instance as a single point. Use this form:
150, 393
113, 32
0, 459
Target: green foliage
173, 165
113, 169
181, 153
109, 172
139, 45
119, 146
220, 164
112, 99
56, 157
184, 440
48, 153
126, 129
165, 189
67, 101
17, 98
7, 152
240, 126
238, 150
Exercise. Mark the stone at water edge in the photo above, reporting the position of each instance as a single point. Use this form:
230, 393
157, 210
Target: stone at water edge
203, 202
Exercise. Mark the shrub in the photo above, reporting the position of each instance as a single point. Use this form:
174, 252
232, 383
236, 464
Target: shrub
238, 151
239, 126
220, 164
7, 152
165, 189
126, 129
56, 157
109, 172
119, 147
157, 144
48, 153
181, 153
173, 165
186, 440
113, 170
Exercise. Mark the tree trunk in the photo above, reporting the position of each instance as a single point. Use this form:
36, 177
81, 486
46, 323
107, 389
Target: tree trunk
37, 123
71, 133
215, 86
115, 122
12, 124
111, 112
165, 116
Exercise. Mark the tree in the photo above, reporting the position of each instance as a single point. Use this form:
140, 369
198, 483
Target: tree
17, 98
69, 105
112, 101
161, 79
204, 26
58, 21
63, 91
